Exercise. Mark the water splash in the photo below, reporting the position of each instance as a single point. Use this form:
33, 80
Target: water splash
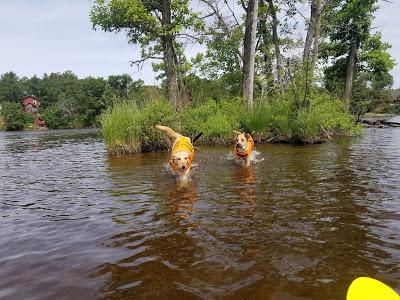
170, 173
255, 157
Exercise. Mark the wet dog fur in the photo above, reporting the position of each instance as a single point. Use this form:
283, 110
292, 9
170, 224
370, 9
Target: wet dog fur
241, 146
180, 161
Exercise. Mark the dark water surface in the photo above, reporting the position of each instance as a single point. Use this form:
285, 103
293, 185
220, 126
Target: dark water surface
302, 224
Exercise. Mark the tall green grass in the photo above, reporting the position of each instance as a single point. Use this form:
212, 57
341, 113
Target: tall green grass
130, 128
215, 119
280, 120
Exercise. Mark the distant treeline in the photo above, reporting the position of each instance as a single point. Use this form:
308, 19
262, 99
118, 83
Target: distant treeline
68, 101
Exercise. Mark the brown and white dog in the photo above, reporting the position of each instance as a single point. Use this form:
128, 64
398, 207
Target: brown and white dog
243, 147
182, 153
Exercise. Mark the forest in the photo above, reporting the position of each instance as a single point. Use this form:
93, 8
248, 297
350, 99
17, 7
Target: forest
285, 70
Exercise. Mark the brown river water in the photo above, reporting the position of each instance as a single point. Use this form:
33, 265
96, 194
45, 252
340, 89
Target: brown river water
301, 224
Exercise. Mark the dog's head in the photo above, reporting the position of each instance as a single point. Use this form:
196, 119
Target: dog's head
241, 140
180, 161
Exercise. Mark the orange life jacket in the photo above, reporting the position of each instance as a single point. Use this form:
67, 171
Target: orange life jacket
183, 144
249, 148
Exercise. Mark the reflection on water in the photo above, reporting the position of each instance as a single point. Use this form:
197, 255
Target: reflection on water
300, 224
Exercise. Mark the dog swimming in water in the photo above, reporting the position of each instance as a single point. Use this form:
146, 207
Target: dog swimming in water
182, 153
243, 147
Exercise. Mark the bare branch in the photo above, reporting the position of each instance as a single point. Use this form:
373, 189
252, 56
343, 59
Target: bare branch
222, 23
196, 38
158, 15
207, 16
233, 14
243, 5
139, 63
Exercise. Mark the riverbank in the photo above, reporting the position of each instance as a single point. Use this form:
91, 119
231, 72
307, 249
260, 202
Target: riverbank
129, 128
380, 120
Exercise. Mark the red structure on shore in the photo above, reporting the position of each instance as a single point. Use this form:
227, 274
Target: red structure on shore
31, 105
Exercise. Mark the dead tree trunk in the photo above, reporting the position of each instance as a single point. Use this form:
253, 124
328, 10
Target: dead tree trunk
249, 52
269, 81
275, 39
169, 58
351, 66
311, 46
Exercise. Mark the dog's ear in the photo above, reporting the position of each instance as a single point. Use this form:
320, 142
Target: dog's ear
247, 135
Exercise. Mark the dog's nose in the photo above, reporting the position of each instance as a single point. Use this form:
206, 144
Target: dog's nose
183, 167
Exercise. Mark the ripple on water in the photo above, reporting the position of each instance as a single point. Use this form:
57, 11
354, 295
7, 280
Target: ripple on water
301, 223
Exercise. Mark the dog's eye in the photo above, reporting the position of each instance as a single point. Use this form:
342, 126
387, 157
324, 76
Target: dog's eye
179, 158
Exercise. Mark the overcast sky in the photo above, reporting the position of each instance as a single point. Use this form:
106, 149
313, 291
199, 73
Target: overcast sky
45, 36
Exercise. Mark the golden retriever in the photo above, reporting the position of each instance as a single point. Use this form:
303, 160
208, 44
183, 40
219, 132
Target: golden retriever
182, 153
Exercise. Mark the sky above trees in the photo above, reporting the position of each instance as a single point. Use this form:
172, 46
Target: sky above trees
53, 36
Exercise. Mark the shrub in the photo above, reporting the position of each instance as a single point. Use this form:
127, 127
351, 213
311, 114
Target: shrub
259, 120
54, 117
14, 116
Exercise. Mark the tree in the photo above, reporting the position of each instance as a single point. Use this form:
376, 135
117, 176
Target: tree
351, 48
311, 45
10, 88
14, 116
92, 104
223, 60
156, 26
275, 40
55, 118
120, 84
249, 52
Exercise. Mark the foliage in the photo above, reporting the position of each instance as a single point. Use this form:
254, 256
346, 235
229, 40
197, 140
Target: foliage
67, 101
14, 116
145, 22
128, 128
345, 21
55, 118
280, 120
10, 88
201, 89
154, 113
215, 119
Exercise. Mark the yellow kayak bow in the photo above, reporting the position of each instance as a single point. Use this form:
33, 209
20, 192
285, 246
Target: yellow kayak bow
365, 288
